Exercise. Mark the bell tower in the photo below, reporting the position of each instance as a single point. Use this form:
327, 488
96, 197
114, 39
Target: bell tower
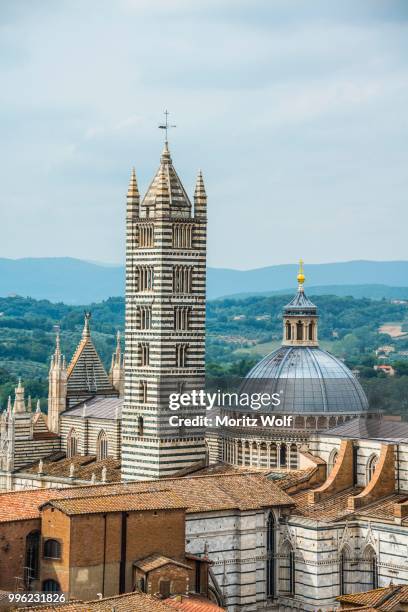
300, 317
57, 387
165, 323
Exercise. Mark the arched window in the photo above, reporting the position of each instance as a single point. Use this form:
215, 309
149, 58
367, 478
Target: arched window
72, 443
102, 450
51, 586
52, 549
370, 469
299, 330
140, 426
345, 577
288, 331
287, 569
332, 460
270, 556
370, 573
311, 330
32, 557
283, 455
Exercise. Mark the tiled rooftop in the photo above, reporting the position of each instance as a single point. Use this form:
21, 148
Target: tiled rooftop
371, 429
59, 466
385, 599
131, 602
192, 604
155, 561
125, 502
201, 494
97, 407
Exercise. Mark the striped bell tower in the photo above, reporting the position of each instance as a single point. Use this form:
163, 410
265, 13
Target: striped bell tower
165, 323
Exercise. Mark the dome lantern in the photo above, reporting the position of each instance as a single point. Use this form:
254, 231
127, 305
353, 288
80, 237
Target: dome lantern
300, 317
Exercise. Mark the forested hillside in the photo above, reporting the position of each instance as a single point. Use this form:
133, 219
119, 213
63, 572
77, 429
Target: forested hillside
239, 333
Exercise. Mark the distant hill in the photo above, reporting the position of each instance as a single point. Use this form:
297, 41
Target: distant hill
73, 281
374, 292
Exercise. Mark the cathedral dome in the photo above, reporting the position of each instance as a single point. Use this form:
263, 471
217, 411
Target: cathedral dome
309, 380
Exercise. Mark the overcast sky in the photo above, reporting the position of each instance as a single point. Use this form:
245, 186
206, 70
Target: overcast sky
296, 111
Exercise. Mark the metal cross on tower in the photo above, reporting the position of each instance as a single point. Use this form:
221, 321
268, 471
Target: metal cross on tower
166, 126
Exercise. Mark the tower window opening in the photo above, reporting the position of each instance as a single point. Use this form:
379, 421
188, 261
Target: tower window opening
143, 391
288, 331
311, 331
140, 426
145, 317
144, 352
299, 330
181, 355
182, 279
182, 234
146, 235
146, 278
181, 318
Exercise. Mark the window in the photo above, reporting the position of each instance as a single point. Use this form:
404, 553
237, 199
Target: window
145, 278
72, 443
270, 556
287, 569
332, 460
299, 330
371, 465
182, 282
52, 549
143, 391
140, 426
144, 352
51, 586
182, 233
145, 317
102, 451
288, 331
181, 355
164, 588
146, 235
181, 317
370, 574
311, 330
283, 455
32, 557
346, 585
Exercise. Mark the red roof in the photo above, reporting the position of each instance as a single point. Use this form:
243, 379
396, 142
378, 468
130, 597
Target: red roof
193, 604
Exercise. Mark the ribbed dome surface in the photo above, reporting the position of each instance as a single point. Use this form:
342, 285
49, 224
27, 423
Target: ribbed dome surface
309, 380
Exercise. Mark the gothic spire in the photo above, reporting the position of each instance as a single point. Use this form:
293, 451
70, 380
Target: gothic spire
86, 332
200, 197
133, 197
19, 404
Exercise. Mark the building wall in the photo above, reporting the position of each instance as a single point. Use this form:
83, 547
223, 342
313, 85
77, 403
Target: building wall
88, 430
13, 552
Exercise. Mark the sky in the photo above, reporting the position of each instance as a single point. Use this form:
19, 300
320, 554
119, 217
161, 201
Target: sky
296, 112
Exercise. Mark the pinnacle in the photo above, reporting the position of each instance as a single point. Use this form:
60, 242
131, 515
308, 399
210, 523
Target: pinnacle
133, 191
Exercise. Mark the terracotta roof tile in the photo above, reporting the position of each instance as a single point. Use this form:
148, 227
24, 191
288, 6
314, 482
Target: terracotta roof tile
131, 602
125, 502
385, 599
203, 494
85, 466
155, 561
193, 604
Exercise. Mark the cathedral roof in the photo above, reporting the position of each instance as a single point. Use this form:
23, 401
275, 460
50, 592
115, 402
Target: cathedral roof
167, 186
300, 304
86, 373
97, 407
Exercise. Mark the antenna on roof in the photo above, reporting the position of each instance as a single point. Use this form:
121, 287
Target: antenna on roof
166, 126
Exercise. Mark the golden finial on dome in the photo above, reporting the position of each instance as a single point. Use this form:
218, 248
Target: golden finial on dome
301, 276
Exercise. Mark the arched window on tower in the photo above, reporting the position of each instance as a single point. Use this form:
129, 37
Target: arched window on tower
299, 330
52, 549
32, 557
270, 556
72, 443
287, 569
311, 330
288, 331
370, 469
102, 445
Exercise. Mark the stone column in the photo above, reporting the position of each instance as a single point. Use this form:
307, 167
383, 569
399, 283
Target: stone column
268, 454
278, 447
243, 444
258, 451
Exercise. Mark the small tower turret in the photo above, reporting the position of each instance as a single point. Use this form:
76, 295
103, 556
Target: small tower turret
200, 197
300, 317
117, 373
133, 197
19, 402
57, 384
